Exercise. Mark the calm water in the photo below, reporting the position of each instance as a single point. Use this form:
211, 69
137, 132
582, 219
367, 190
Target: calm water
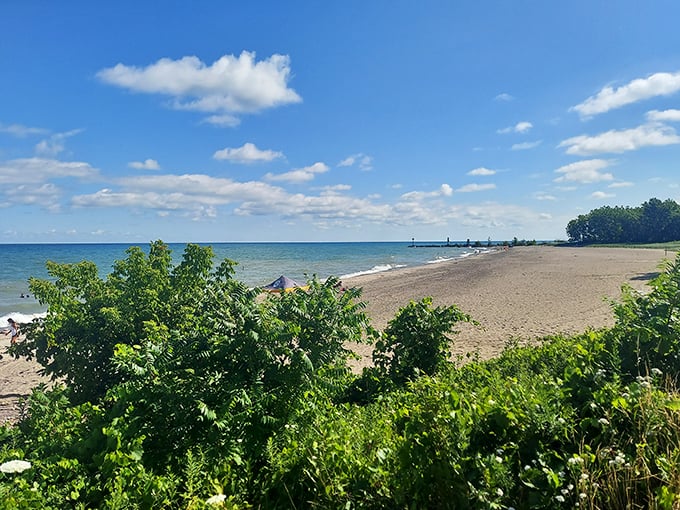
258, 263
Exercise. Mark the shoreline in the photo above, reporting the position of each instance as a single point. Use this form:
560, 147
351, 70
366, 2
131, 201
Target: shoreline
523, 293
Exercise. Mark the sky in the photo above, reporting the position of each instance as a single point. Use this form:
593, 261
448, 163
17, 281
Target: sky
381, 120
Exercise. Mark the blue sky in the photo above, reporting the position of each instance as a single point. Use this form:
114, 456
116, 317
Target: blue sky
361, 120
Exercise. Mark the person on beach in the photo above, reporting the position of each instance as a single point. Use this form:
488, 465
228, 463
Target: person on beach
14, 330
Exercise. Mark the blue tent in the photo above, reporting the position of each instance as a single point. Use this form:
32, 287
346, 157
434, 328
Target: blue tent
284, 284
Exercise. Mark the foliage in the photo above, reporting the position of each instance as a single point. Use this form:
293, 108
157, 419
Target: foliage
211, 395
653, 222
648, 328
415, 341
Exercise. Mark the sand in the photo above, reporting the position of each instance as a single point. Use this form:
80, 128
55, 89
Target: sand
523, 293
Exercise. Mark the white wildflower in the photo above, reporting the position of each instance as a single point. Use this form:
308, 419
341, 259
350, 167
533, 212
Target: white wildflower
604, 421
527, 467
584, 476
560, 499
14, 466
216, 499
499, 459
575, 460
561, 420
499, 492
582, 495
656, 371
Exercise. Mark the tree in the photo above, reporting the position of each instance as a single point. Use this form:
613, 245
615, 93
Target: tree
653, 222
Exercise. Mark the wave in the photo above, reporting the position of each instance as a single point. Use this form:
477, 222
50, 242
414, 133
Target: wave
21, 318
439, 260
375, 269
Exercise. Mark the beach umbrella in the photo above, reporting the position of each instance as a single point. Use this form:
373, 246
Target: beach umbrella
284, 284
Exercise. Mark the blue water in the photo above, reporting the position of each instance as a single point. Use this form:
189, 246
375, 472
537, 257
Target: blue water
258, 263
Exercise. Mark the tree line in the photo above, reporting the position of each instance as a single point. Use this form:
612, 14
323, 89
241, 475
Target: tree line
655, 221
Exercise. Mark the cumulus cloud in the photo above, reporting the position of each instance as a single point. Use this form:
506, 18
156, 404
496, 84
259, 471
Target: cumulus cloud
21, 131
336, 188
299, 175
617, 141
443, 191
40, 170
226, 88
147, 164
504, 97
599, 195
29, 181
199, 196
481, 171
526, 145
663, 116
520, 127
585, 172
610, 98
248, 153
363, 161
473, 187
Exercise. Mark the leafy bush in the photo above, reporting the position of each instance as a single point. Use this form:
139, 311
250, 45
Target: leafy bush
185, 389
647, 332
416, 341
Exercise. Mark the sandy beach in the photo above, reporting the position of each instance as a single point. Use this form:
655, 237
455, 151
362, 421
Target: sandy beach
521, 293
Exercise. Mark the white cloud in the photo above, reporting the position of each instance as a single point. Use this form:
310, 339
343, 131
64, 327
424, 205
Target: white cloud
299, 175
599, 195
520, 127
28, 181
609, 98
42, 195
222, 120
541, 195
231, 85
443, 191
585, 172
364, 161
200, 196
481, 171
336, 188
55, 143
147, 164
621, 141
21, 131
663, 116
248, 153
471, 188
622, 184
504, 97
526, 145
39, 170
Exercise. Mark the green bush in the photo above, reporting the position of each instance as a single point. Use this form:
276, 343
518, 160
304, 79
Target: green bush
185, 389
